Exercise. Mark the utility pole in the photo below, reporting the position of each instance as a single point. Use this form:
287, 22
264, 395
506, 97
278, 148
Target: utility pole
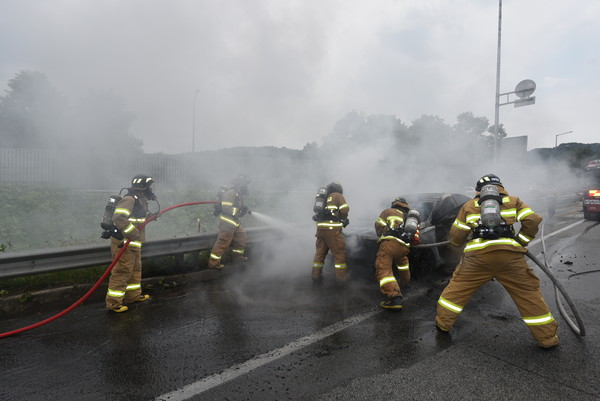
194, 122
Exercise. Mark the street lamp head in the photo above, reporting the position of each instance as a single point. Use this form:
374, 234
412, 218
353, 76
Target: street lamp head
557, 135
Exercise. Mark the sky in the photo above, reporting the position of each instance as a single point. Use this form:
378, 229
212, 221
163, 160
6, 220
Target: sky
212, 74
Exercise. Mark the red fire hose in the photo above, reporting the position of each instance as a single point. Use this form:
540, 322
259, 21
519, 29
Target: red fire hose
106, 273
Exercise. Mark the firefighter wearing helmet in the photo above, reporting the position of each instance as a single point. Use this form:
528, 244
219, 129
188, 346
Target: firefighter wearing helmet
231, 232
125, 284
492, 250
397, 228
330, 219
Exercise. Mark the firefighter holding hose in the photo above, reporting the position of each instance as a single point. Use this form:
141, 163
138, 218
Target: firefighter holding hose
231, 231
492, 250
125, 284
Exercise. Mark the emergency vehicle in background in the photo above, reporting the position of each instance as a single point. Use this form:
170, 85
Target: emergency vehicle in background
591, 190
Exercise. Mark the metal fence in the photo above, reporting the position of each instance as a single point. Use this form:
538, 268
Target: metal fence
202, 170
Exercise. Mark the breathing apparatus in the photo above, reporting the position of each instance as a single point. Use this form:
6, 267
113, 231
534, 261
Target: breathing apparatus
110, 230
140, 182
410, 226
491, 224
411, 223
320, 205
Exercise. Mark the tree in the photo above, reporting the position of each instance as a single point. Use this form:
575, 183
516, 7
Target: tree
501, 131
474, 128
32, 113
100, 122
355, 131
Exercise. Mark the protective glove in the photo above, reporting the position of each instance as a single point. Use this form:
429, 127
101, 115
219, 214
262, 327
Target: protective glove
345, 222
117, 234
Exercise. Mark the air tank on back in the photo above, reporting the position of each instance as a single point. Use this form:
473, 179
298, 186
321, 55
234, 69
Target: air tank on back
411, 223
490, 207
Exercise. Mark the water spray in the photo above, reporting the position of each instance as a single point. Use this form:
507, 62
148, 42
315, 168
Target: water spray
272, 221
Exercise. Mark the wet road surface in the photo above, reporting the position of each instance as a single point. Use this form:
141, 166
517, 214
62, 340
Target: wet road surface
267, 333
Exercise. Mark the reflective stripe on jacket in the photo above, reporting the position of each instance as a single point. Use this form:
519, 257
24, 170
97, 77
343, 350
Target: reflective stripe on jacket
131, 212
391, 219
512, 210
230, 207
336, 204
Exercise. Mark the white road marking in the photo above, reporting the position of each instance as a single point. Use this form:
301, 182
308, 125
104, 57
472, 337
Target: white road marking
552, 234
235, 371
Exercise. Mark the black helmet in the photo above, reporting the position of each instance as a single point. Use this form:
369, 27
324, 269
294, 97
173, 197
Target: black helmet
141, 182
487, 179
400, 200
335, 186
400, 203
240, 181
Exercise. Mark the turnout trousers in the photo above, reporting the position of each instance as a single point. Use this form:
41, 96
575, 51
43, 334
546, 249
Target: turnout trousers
391, 254
509, 269
228, 236
330, 240
125, 283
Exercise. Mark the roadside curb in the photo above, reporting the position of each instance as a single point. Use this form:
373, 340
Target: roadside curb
58, 299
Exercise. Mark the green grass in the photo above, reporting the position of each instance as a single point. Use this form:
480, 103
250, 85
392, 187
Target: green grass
47, 217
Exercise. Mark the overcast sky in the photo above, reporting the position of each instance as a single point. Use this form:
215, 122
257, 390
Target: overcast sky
282, 72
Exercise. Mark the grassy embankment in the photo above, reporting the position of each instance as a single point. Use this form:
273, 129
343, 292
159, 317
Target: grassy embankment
46, 217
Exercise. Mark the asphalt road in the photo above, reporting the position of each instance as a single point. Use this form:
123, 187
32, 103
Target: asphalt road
265, 332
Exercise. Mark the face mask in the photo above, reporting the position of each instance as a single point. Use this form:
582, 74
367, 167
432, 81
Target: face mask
149, 194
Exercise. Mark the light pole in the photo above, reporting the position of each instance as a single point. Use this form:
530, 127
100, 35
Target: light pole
194, 122
523, 90
497, 98
557, 135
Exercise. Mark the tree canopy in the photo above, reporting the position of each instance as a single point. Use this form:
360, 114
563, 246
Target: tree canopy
34, 114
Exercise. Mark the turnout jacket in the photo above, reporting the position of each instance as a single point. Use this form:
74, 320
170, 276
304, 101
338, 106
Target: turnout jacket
512, 210
392, 219
130, 212
232, 207
337, 206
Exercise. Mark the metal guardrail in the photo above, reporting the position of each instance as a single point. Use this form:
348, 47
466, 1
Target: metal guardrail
27, 263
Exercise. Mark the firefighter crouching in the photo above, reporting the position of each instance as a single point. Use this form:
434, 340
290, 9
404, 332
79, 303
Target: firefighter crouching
231, 231
397, 228
496, 252
330, 218
125, 283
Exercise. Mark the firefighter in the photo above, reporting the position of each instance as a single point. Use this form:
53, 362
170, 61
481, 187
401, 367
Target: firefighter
495, 252
125, 283
394, 246
231, 231
329, 233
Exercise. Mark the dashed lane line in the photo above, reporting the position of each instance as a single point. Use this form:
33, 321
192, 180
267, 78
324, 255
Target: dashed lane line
235, 371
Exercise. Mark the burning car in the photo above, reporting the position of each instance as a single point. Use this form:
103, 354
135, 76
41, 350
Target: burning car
437, 212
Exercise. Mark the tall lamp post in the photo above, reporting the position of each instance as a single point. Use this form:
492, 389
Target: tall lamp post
194, 122
557, 135
523, 90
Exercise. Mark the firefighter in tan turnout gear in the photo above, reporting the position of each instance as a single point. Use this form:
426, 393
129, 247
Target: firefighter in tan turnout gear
331, 216
397, 228
231, 231
125, 283
494, 251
